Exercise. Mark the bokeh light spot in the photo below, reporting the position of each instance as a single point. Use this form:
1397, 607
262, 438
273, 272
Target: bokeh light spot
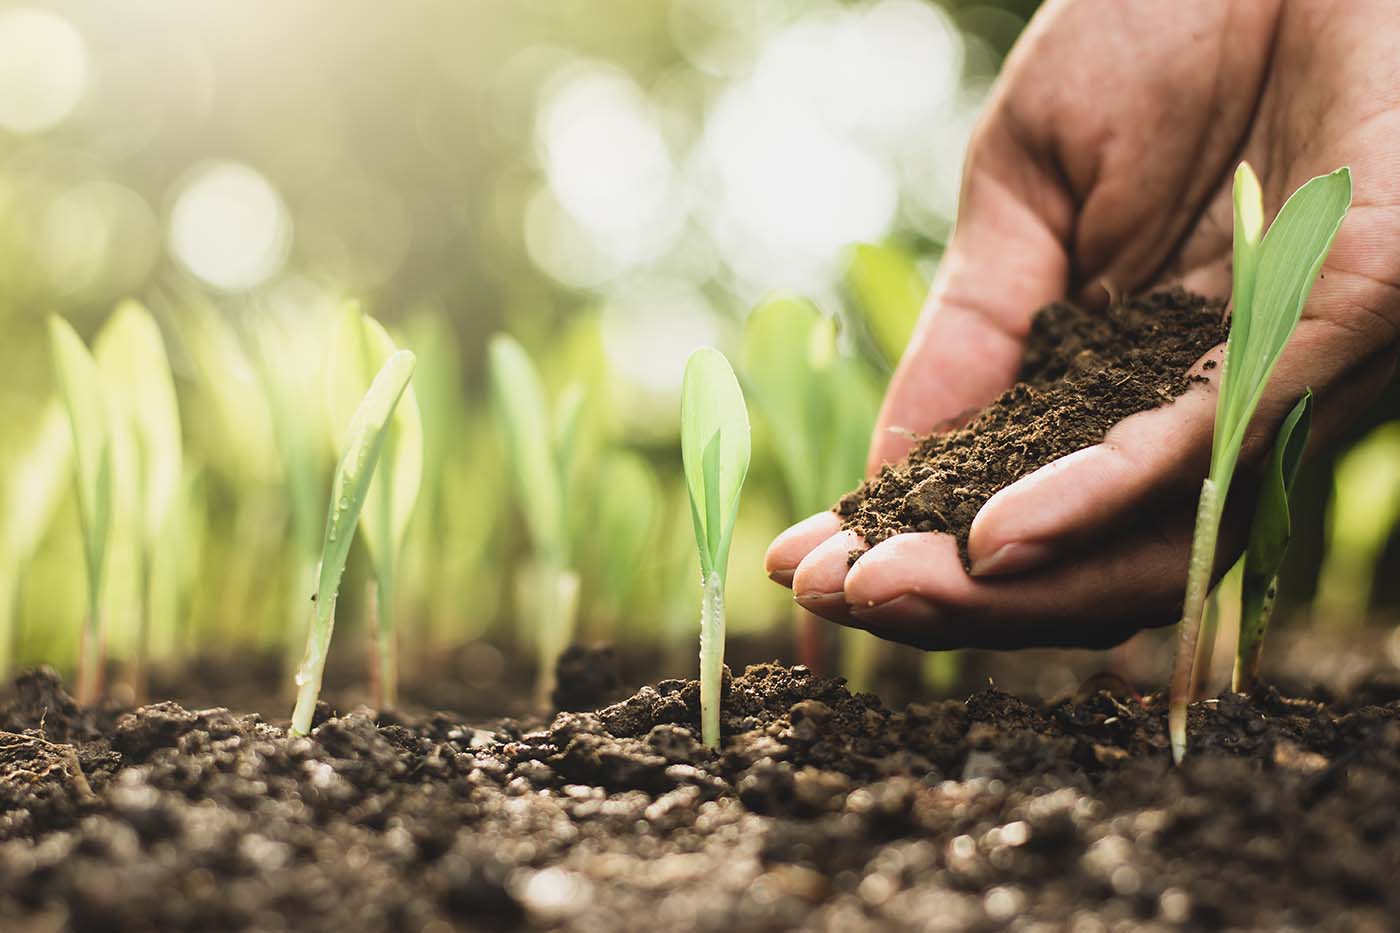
607, 163
43, 69
229, 226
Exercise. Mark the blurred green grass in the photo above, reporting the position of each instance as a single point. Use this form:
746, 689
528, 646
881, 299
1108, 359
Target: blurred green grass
611, 184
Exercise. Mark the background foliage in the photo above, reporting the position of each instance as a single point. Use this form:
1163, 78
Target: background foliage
613, 184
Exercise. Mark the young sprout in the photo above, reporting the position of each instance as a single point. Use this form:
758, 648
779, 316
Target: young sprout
887, 288
33, 491
282, 350
625, 506
130, 354
1268, 542
715, 449
85, 400
1364, 510
364, 440
1273, 275
359, 348
819, 407
541, 453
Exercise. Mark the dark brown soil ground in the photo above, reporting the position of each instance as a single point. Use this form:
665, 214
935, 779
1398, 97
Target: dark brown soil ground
1083, 373
822, 811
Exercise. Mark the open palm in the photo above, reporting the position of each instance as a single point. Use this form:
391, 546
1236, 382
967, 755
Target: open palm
1104, 165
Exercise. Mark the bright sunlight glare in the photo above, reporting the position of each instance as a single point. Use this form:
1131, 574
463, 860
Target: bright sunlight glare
43, 69
229, 226
607, 164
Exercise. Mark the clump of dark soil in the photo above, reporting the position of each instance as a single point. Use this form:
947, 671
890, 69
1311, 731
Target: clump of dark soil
1083, 372
822, 810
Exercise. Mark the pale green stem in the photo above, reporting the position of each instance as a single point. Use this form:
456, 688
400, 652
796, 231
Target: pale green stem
89, 686
711, 657
142, 655
556, 605
385, 648
1189, 628
305, 583
313, 666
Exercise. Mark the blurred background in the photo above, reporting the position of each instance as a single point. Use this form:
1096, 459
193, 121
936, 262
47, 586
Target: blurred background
613, 184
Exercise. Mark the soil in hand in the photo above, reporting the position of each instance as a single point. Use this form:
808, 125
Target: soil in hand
1083, 372
821, 811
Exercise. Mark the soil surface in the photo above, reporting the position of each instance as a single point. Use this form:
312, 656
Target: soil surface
821, 811
1083, 372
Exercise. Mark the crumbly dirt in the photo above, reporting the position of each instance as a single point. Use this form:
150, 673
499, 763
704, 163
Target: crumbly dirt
821, 811
1083, 372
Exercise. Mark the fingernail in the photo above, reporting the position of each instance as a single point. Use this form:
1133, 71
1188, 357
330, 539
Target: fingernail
782, 577
826, 605
908, 610
1016, 557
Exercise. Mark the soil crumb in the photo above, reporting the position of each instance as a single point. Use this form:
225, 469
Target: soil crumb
1083, 372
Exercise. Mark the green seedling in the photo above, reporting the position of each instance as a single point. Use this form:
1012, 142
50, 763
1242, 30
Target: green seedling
819, 407
887, 290
279, 348
85, 400
364, 442
228, 420
715, 447
626, 503
33, 490
359, 348
145, 419
540, 450
1268, 542
1361, 516
1273, 275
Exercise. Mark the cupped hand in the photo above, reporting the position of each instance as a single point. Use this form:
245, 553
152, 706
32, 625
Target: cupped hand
1104, 163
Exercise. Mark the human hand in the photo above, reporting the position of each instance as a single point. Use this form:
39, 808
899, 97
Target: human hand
1106, 157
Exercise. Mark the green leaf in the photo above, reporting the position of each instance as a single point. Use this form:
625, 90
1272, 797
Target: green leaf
1272, 527
35, 486
131, 357
889, 291
855, 405
715, 447
85, 400
1284, 268
1272, 283
359, 347
790, 391
230, 413
624, 517
365, 438
522, 410
1361, 518
1269, 535
818, 404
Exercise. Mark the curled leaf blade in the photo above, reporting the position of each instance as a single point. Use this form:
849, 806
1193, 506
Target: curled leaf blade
84, 399
715, 448
359, 347
522, 411
131, 357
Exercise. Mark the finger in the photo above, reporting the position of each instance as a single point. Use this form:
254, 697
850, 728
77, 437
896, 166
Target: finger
1160, 453
788, 549
912, 588
820, 580
1005, 260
